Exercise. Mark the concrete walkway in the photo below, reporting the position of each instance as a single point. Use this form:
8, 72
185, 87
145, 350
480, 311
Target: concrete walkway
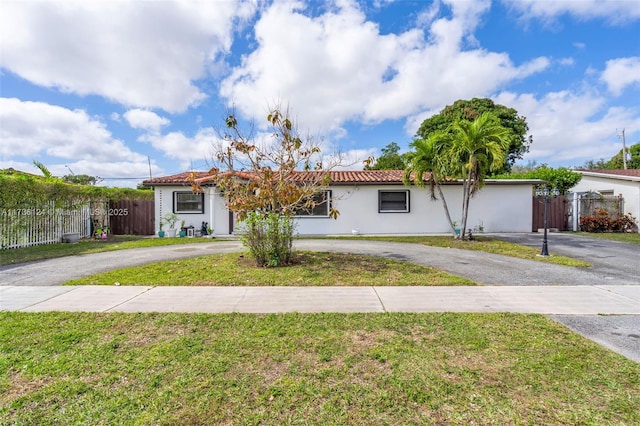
566, 300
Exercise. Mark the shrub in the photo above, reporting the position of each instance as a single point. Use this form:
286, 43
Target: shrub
602, 221
269, 237
626, 223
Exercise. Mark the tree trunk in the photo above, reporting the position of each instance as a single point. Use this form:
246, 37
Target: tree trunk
466, 189
446, 210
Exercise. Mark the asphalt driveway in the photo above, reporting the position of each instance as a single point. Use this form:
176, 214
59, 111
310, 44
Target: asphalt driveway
613, 260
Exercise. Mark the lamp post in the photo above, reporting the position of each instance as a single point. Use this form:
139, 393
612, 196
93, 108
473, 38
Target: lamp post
544, 192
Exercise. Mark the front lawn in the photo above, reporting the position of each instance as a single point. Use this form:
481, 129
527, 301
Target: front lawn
626, 237
309, 269
88, 245
482, 243
357, 369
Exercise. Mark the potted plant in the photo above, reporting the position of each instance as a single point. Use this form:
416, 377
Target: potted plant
456, 227
161, 232
171, 219
183, 230
101, 232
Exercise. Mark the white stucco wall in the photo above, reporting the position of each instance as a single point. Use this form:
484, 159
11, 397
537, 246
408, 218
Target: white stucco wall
501, 208
630, 190
219, 221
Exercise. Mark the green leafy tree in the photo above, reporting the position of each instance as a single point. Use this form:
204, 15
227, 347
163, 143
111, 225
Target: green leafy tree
468, 150
561, 178
43, 169
391, 159
600, 164
633, 158
524, 168
81, 179
469, 110
478, 148
142, 187
430, 160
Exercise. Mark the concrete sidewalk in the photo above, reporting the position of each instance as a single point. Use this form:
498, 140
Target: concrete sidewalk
561, 300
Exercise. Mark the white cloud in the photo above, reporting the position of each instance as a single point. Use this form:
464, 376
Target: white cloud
566, 62
338, 67
349, 160
184, 149
571, 128
132, 173
34, 129
20, 165
622, 72
146, 120
116, 173
137, 53
613, 11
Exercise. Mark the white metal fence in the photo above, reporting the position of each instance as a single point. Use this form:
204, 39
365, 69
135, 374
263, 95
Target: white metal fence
583, 204
45, 224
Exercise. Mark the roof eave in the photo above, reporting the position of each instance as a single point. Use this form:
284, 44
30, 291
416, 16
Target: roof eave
610, 176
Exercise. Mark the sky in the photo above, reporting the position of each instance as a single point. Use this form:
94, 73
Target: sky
125, 90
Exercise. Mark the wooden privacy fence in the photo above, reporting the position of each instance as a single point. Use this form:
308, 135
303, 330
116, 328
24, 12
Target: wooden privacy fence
132, 217
557, 213
45, 224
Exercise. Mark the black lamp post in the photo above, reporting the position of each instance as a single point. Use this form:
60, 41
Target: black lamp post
544, 192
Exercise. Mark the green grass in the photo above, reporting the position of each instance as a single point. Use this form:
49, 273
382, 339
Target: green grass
632, 238
86, 246
357, 369
308, 269
481, 243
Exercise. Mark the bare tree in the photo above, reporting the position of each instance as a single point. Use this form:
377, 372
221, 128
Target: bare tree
267, 182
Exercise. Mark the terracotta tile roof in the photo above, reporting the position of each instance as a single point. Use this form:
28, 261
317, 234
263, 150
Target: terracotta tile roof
633, 174
177, 179
336, 176
356, 176
209, 177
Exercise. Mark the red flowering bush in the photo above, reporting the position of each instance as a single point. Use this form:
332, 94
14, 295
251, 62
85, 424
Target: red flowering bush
602, 221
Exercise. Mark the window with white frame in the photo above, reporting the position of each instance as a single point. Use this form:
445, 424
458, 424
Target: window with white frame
393, 201
320, 208
188, 202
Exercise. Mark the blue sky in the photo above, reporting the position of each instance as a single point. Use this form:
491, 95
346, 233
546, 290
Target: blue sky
122, 89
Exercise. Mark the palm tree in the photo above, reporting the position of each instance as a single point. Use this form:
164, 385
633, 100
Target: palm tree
45, 171
476, 148
430, 157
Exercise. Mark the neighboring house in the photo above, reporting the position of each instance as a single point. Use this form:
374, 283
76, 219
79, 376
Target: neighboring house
613, 182
369, 202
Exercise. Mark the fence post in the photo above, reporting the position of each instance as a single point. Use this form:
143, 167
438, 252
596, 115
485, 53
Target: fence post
575, 217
